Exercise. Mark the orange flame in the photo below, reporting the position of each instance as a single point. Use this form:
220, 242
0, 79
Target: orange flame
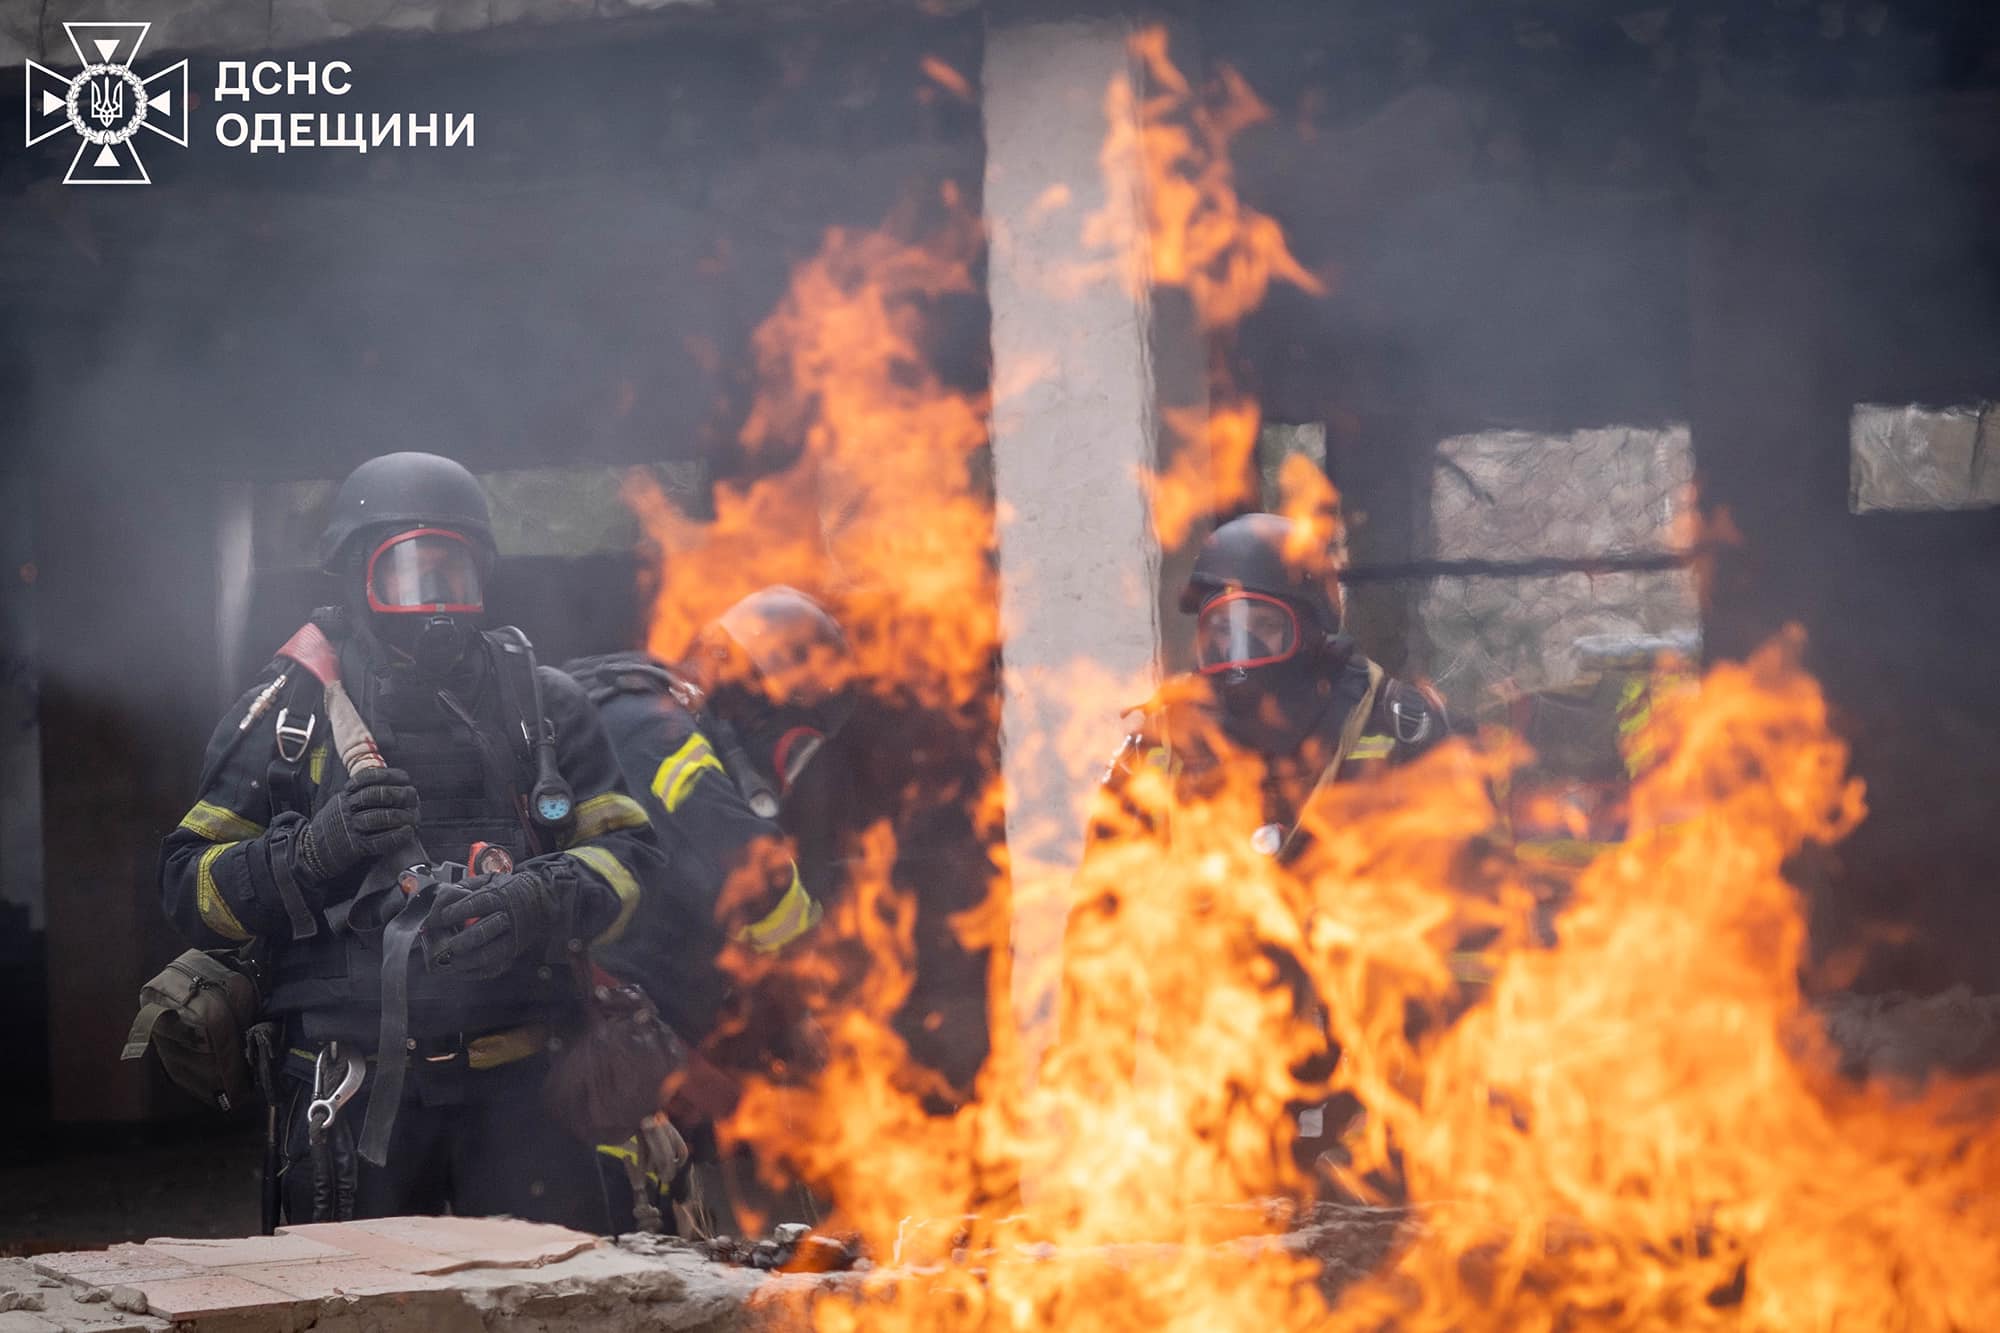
1193, 232
878, 508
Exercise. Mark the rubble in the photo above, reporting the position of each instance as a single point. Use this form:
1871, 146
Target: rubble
791, 1248
452, 1274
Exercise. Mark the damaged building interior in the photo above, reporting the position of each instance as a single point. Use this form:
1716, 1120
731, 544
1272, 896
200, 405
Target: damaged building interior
1635, 358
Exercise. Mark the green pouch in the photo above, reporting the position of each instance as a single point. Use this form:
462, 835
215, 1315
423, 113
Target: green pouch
196, 1013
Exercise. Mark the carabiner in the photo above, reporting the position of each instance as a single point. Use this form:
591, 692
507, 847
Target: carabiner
320, 1112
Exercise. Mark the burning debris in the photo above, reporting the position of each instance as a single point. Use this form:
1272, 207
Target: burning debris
792, 1247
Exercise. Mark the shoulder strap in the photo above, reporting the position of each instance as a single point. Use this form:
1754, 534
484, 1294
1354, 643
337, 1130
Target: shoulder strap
514, 663
513, 659
1357, 722
604, 678
1350, 732
291, 787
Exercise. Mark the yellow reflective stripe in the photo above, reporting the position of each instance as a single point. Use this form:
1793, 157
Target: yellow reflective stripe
1373, 747
316, 765
219, 824
627, 1151
506, 1046
1635, 714
607, 813
208, 900
677, 772
620, 879
1472, 967
795, 914
1563, 851
1635, 705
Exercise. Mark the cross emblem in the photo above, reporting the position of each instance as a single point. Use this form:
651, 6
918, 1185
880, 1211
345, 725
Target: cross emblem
107, 104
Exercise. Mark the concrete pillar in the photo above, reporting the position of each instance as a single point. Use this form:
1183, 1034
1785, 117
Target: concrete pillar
1081, 373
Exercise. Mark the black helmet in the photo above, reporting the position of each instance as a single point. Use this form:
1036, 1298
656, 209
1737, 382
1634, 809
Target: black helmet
797, 651
780, 675
1250, 554
405, 490
1267, 631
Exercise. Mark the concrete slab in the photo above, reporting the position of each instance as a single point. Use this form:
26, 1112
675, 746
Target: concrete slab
359, 1277
385, 1250
119, 1264
184, 1298
488, 1242
320, 1280
283, 1249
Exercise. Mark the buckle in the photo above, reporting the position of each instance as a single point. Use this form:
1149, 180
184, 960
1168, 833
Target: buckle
299, 736
441, 1050
1410, 724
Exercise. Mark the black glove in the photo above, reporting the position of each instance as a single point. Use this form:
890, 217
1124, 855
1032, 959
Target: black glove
372, 814
480, 927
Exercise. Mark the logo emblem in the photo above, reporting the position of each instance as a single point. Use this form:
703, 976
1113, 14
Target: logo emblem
107, 104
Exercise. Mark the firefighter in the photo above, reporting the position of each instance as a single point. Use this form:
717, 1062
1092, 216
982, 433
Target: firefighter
1277, 681
415, 1015
1277, 685
715, 744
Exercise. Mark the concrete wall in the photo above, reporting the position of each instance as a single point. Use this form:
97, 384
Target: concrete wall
1523, 498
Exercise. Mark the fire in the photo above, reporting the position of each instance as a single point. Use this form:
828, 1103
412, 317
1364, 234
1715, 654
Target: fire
1637, 1126
1642, 1127
1192, 229
876, 507
1189, 230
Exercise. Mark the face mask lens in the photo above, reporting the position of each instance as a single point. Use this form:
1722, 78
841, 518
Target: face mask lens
1244, 630
427, 570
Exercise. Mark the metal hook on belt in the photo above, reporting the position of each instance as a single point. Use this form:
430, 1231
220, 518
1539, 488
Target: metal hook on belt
326, 1106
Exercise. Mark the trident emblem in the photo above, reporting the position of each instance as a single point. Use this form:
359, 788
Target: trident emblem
107, 101
106, 104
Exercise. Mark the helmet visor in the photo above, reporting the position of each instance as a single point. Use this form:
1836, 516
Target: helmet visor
799, 655
430, 569
1244, 629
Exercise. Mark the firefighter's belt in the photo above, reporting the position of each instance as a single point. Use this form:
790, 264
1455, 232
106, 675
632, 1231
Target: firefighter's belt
490, 1051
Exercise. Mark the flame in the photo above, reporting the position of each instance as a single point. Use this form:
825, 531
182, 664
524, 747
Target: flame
1635, 1126
1168, 141
1196, 481
871, 500
1638, 1127
1191, 230
1642, 1127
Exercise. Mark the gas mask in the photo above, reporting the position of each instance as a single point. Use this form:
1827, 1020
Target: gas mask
1266, 669
424, 596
